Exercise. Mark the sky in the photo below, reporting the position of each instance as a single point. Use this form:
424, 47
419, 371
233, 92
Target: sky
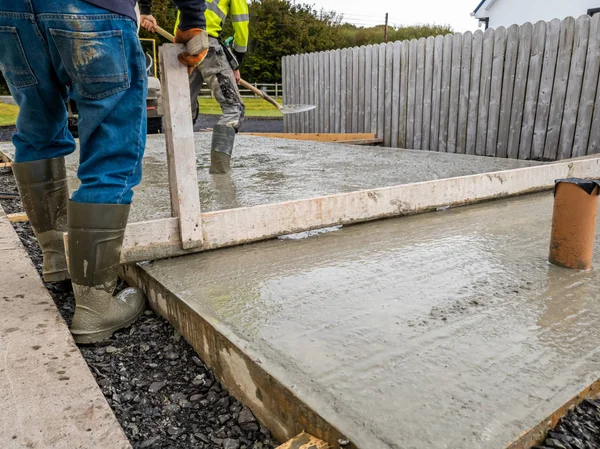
456, 13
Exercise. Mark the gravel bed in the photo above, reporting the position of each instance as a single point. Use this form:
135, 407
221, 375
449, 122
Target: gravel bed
163, 395
578, 429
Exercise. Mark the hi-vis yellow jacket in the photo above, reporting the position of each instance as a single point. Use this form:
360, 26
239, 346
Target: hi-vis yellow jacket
216, 13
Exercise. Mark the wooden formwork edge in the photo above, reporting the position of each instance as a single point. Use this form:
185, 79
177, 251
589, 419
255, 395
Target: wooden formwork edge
275, 405
536, 435
160, 238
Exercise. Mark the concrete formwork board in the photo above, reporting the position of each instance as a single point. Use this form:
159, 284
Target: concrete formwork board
447, 329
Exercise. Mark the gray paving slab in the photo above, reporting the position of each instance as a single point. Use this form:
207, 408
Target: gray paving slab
267, 170
442, 330
49, 397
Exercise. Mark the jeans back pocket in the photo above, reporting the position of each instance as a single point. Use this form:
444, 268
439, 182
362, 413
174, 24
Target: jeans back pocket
13, 62
95, 61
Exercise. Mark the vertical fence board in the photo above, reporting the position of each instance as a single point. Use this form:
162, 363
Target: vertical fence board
381, 94
457, 42
534, 77
516, 116
349, 87
463, 95
355, 92
427, 92
445, 94
559, 92
484, 90
588, 91
569, 120
299, 65
496, 91
327, 94
474, 92
412, 88
361, 89
401, 54
374, 87
396, 113
343, 89
338, 91
547, 82
420, 94
508, 90
368, 87
389, 53
436, 98
284, 91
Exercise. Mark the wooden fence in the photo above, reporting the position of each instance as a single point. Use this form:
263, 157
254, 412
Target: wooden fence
528, 91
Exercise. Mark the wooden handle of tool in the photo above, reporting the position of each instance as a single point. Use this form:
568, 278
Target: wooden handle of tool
261, 94
165, 34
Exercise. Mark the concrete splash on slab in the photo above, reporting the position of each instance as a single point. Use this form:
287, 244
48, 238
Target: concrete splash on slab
267, 170
447, 329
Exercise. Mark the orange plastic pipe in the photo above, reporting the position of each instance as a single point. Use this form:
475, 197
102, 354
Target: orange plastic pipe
573, 226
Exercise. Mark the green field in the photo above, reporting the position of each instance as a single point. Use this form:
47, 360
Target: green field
8, 114
255, 107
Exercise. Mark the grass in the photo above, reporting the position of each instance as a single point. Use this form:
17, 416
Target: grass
8, 114
255, 107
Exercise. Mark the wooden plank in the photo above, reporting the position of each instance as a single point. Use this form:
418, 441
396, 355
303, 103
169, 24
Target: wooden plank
355, 90
304, 441
368, 87
327, 92
343, 89
411, 93
349, 87
559, 92
518, 103
427, 94
389, 72
534, 77
181, 147
316, 137
334, 90
436, 95
361, 88
455, 71
381, 92
5, 164
474, 92
485, 84
160, 238
546, 83
419, 95
374, 87
312, 83
18, 217
285, 92
463, 97
308, 88
589, 91
400, 108
496, 91
508, 89
299, 91
321, 89
575, 77
445, 94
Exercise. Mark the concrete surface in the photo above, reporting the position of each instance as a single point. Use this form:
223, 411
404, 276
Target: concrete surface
270, 170
443, 330
49, 397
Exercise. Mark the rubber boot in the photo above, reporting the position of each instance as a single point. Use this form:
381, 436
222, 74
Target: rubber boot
223, 139
96, 234
44, 193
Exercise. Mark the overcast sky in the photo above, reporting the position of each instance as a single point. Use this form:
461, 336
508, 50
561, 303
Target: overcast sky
457, 13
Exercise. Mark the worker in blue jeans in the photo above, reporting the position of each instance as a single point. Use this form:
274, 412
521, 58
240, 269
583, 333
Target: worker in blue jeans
52, 50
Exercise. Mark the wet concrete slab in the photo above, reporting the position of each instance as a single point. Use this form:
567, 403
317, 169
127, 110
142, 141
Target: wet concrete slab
443, 330
267, 170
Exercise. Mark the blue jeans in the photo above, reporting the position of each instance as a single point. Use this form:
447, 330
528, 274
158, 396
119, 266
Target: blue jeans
53, 50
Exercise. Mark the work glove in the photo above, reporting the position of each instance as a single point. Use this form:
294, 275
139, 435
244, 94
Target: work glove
183, 37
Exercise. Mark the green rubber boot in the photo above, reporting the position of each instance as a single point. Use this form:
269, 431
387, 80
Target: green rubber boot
223, 138
96, 234
44, 193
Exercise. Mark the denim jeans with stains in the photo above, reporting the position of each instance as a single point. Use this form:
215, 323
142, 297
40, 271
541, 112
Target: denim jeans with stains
53, 50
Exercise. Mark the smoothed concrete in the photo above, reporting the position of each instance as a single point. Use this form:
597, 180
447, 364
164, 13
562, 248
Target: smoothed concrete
49, 397
267, 170
443, 330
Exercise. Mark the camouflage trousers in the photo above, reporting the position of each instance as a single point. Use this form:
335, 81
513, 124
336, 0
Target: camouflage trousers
216, 71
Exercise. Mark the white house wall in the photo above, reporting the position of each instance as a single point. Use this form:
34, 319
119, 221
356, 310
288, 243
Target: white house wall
509, 12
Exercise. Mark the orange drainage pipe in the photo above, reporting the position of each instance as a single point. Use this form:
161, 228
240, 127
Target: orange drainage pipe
574, 223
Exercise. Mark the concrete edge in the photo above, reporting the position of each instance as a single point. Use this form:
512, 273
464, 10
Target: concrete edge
273, 403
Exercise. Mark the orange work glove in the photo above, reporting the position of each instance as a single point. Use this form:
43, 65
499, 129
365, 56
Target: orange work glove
183, 37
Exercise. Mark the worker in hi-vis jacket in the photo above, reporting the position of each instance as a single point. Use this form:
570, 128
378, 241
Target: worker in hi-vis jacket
220, 71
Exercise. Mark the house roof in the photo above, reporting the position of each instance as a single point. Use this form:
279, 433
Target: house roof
482, 6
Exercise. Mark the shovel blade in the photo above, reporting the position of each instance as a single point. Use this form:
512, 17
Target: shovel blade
297, 108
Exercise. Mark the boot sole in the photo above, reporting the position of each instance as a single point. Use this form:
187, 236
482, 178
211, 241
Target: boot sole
96, 337
57, 276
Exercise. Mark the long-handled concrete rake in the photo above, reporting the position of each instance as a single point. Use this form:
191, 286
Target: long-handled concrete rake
284, 109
